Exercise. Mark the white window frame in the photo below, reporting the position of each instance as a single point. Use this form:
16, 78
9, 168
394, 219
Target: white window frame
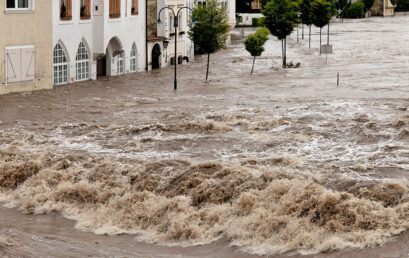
30, 7
5, 60
81, 63
120, 69
133, 62
61, 64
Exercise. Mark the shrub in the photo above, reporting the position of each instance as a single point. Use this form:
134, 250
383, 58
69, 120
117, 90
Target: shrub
356, 10
401, 5
254, 22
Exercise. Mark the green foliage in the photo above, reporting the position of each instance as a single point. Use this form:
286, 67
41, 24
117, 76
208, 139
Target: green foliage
368, 4
321, 12
255, 42
401, 5
305, 11
281, 16
254, 22
211, 28
356, 10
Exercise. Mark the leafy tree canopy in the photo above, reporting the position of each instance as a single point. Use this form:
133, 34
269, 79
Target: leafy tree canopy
280, 17
211, 28
321, 12
305, 11
255, 42
368, 4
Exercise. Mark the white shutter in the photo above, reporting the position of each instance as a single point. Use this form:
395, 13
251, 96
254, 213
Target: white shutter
13, 65
27, 64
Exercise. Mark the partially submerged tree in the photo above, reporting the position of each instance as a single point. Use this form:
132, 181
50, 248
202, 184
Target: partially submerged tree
255, 43
306, 16
211, 29
281, 16
321, 14
368, 5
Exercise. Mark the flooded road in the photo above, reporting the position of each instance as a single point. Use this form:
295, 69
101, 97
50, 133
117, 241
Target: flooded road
284, 162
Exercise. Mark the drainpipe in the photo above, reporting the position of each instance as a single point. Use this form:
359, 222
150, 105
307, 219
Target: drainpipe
146, 35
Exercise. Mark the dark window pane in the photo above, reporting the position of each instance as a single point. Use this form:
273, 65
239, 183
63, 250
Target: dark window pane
11, 3
22, 3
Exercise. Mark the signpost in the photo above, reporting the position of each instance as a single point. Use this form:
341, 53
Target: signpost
327, 49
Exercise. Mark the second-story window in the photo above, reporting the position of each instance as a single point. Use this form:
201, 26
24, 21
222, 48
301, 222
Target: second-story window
134, 9
85, 9
114, 8
18, 4
65, 10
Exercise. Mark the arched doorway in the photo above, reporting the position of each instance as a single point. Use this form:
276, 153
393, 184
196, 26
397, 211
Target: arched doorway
113, 50
156, 56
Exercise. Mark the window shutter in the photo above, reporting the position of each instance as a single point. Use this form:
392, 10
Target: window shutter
13, 66
27, 64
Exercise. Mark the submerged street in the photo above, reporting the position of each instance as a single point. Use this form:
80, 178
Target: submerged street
280, 162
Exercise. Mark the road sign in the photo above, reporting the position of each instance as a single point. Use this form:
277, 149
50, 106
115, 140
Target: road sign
326, 49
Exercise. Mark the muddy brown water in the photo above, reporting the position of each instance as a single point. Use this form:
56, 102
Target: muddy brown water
283, 162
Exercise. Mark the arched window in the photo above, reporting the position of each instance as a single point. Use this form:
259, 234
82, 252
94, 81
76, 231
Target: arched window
82, 63
60, 65
120, 64
133, 58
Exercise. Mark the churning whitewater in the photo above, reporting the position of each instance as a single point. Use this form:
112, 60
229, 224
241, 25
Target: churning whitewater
283, 161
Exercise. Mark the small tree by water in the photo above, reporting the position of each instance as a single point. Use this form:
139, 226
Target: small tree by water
321, 14
281, 16
211, 29
306, 16
255, 43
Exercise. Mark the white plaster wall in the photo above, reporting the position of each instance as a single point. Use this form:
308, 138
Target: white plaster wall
128, 29
71, 33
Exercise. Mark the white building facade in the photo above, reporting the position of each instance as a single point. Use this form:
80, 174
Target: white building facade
94, 38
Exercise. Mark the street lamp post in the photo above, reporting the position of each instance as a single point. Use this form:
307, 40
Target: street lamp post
175, 25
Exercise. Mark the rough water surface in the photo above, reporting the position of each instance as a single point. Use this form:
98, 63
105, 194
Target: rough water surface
281, 162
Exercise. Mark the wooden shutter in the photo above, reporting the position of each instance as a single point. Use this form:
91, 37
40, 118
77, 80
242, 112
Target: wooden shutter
13, 65
86, 13
115, 8
27, 64
135, 7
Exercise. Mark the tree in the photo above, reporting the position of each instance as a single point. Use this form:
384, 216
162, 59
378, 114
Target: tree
306, 16
281, 16
255, 43
321, 14
243, 6
355, 10
368, 5
211, 29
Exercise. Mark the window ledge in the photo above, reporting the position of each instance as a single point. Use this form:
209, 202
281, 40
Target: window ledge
65, 22
10, 11
82, 21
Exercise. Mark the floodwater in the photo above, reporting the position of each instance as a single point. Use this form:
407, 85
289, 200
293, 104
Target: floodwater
281, 163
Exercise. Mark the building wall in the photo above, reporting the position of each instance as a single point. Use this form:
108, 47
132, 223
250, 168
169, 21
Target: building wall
128, 29
27, 28
382, 8
102, 35
70, 33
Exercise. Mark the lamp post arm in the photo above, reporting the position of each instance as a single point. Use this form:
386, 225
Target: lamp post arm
166, 7
185, 7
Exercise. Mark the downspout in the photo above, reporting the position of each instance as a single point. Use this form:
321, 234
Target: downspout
146, 35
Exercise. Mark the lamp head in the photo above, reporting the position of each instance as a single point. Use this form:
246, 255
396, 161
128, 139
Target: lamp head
158, 21
194, 21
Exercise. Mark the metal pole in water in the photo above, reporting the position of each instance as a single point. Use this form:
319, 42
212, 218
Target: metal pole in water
338, 79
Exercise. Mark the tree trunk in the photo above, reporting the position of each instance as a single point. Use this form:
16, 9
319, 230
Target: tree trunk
328, 35
253, 65
320, 40
284, 52
302, 31
207, 70
309, 40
